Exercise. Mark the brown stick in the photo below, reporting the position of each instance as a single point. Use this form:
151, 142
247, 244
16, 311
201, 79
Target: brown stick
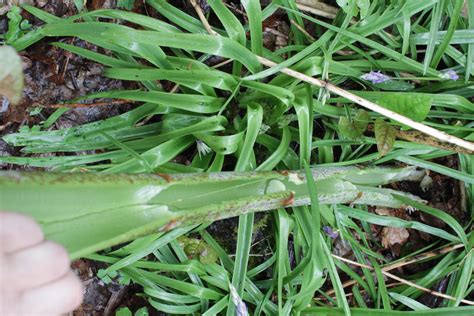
201, 16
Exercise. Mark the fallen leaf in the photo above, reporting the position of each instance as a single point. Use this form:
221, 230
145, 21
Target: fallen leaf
385, 135
384, 211
355, 127
392, 236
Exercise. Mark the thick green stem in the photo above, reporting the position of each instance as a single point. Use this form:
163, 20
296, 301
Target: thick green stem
90, 212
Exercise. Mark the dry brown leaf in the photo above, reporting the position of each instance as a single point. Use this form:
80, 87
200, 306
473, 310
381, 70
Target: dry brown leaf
392, 236
384, 211
395, 212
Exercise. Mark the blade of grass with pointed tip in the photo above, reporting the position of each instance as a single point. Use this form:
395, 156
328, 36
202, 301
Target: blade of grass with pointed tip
435, 24
245, 231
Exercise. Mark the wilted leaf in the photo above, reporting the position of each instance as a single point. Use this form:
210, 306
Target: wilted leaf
413, 105
392, 236
385, 135
354, 128
11, 74
394, 212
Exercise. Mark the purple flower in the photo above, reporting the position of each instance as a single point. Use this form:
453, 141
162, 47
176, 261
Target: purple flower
375, 77
449, 74
331, 233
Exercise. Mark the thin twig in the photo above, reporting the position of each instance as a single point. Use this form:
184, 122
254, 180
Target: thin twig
421, 257
315, 11
222, 63
321, 9
201, 16
175, 88
361, 291
372, 106
235, 9
208, 28
275, 32
4, 126
68, 58
393, 276
421, 138
302, 30
406, 262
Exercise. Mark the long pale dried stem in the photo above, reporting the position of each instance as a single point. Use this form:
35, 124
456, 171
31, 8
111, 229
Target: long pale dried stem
408, 261
401, 280
442, 136
372, 106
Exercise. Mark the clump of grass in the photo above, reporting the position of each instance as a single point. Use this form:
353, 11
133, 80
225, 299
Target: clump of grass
413, 58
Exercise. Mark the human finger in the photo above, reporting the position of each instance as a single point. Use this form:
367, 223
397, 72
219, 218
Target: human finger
36, 265
18, 231
59, 297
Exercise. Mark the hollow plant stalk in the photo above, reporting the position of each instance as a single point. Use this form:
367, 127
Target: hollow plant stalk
89, 212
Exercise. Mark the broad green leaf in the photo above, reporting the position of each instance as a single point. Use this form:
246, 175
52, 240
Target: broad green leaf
188, 102
356, 127
385, 135
11, 74
413, 105
124, 311
254, 15
142, 312
232, 25
141, 42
